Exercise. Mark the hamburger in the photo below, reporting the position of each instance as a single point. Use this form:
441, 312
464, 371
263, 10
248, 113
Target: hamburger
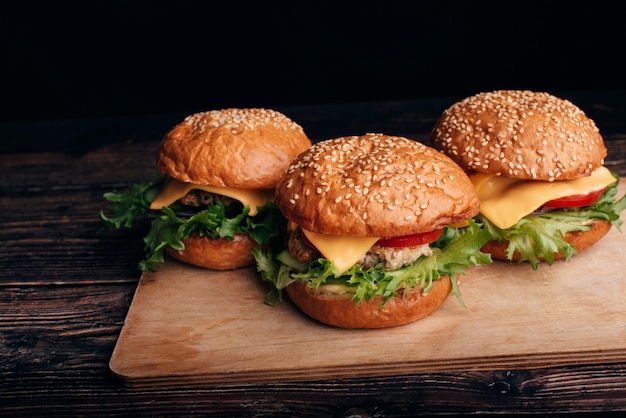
379, 230
212, 201
537, 164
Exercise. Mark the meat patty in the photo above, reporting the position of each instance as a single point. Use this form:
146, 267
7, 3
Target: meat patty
394, 258
299, 249
199, 198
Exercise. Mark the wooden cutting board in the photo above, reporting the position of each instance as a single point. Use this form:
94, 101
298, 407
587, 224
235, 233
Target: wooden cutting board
188, 326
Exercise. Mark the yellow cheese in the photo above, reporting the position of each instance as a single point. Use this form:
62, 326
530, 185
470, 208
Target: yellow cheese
458, 225
174, 189
343, 251
505, 201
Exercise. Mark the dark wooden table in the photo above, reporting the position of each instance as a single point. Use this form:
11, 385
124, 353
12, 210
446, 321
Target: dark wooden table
65, 289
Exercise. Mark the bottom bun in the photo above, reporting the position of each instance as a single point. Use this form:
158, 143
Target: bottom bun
341, 310
216, 254
579, 239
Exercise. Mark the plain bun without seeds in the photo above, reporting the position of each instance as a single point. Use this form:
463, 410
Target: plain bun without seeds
520, 134
340, 310
215, 253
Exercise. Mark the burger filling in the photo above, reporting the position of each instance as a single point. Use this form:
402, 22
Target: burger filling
390, 258
541, 234
383, 270
195, 212
393, 258
198, 198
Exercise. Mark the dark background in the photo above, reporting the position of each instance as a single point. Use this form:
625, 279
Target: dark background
100, 58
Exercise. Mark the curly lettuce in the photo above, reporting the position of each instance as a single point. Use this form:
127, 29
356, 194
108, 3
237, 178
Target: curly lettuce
455, 251
540, 236
169, 227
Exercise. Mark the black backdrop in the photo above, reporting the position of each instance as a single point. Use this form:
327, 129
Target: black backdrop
97, 58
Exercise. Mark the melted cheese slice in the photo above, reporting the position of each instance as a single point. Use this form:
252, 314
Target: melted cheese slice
505, 201
174, 189
343, 251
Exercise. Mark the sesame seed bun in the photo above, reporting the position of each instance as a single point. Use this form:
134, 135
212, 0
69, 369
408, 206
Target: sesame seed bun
524, 135
520, 134
239, 148
340, 310
244, 148
374, 185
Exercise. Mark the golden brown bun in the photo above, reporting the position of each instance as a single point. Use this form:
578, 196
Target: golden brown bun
520, 134
579, 239
244, 148
341, 311
374, 185
216, 254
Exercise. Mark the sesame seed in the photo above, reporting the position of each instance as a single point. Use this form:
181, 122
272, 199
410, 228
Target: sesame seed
366, 173
237, 120
515, 122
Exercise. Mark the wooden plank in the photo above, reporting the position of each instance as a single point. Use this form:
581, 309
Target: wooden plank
189, 326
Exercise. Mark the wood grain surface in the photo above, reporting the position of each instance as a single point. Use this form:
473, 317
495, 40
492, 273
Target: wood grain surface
66, 289
191, 326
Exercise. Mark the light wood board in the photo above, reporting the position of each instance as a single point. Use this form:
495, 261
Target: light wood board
188, 326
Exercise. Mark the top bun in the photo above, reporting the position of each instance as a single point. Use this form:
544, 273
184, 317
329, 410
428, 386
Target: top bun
374, 185
520, 134
243, 148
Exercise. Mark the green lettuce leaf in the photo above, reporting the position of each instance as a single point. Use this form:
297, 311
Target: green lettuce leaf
129, 204
539, 236
169, 229
453, 253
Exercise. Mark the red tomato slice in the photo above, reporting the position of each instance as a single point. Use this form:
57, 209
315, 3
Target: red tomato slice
575, 201
410, 240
